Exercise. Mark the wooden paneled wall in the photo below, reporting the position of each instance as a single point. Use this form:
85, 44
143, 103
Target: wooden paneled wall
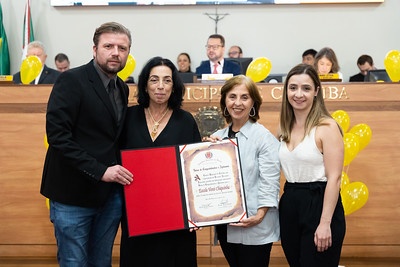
372, 231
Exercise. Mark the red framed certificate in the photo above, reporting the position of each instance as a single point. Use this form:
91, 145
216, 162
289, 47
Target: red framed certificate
181, 187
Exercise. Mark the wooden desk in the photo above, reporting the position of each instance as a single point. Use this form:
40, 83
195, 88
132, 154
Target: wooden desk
372, 231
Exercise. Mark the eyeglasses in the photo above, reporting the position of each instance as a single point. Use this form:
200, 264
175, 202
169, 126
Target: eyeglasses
213, 47
165, 81
233, 53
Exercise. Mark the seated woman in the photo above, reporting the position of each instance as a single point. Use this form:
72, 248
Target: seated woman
184, 71
183, 61
326, 63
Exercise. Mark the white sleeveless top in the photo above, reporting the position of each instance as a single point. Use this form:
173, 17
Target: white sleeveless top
304, 163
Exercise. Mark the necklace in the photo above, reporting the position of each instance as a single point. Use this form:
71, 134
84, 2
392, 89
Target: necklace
154, 129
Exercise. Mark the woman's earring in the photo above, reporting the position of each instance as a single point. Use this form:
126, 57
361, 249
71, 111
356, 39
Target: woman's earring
252, 110
226, 111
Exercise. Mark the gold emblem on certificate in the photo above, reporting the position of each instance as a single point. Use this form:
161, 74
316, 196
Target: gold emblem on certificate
212, 183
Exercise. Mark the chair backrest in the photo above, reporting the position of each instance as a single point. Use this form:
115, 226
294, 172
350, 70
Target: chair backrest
187, 77
244, 62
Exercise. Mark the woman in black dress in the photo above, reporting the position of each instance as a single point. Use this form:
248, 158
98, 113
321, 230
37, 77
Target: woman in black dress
159, 121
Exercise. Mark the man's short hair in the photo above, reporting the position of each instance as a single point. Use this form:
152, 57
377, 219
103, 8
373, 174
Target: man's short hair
111, 27
218, 36
364, 59
311, 51
37, 44
240, 49
60, 57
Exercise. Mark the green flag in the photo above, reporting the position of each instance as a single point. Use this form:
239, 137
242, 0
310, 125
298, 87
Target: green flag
4, 54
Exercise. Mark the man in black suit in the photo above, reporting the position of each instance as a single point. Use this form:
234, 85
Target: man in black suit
216, 64
82, 175
47, 75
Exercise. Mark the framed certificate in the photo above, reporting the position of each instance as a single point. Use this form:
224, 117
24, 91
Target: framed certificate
181, 187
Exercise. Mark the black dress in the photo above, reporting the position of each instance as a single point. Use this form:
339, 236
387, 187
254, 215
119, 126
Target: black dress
169, 249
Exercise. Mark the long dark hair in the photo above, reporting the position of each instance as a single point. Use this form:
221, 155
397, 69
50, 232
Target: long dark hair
178, 88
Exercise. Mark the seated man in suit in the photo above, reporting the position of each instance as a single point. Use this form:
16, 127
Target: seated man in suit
364, 63
216, 63
46, 75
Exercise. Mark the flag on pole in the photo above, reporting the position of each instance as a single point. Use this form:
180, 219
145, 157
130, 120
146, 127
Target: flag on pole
4, 54
28, 29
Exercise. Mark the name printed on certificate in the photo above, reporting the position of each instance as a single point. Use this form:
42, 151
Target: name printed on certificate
212, 182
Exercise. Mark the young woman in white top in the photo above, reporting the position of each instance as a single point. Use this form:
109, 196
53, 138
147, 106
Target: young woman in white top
312, 221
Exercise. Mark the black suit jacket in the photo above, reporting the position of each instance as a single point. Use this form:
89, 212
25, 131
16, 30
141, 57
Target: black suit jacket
229, 67
83, 135
48, 76
357, 78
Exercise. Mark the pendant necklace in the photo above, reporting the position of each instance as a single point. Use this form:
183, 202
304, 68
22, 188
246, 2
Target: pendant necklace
154, 129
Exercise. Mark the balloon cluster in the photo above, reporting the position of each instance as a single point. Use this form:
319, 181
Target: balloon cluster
355, 194
392, 65
259, 69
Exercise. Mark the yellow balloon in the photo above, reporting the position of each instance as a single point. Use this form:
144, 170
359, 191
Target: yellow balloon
128, 69
351, 147
392, 65
344, 181
30, 69
46, 144
354, 197
342, 118
364, 133
259, 69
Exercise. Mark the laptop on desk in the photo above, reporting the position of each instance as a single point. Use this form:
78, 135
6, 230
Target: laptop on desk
379, 75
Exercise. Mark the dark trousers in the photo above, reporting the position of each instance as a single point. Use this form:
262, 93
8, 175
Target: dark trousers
300, 211
168, 249
239, 255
